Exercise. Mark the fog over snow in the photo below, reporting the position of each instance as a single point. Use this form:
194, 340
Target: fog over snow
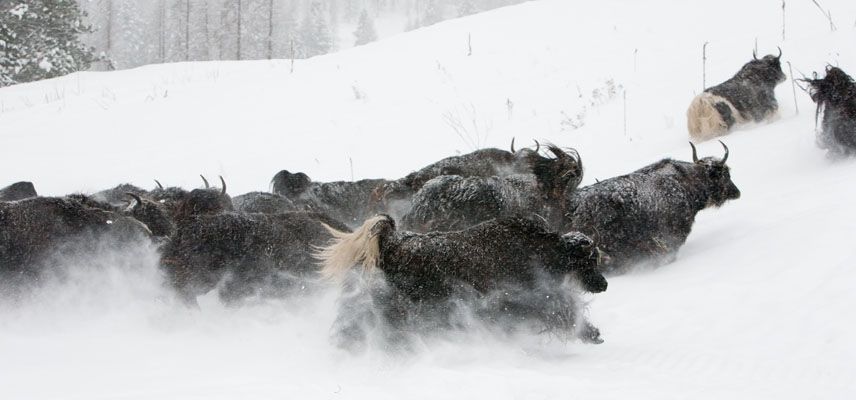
757, 305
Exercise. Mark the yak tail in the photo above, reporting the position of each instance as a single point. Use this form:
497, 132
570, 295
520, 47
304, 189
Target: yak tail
704, 121
346, 250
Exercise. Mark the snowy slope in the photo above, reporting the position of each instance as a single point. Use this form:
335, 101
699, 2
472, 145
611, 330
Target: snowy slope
757, 305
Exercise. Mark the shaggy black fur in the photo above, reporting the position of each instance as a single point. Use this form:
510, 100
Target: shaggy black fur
30, 229
18, 191
506, 270
752, 89
251, 254
835, 96
261, 202
646, 216
452, 202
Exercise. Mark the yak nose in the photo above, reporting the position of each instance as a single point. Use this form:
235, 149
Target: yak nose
735, 192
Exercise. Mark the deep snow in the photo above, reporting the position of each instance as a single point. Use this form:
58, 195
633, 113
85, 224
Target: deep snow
757, 304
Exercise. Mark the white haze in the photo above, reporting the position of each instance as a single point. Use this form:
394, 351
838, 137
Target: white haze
758, 303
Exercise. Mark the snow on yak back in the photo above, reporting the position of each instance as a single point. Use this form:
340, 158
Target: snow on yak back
37, 233
511, 269
247, 255
646, 216
453, 202
18, 191
835, 96
749, 96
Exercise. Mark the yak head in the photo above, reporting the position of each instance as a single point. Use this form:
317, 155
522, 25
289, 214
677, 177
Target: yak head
205, 201
290, 185
585, 260
559, 174
154, 215
766, 70
715, 178
835, 88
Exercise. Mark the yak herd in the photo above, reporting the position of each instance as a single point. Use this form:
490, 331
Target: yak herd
508, 238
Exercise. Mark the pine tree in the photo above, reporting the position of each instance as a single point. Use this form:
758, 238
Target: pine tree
315, 37
40, 39
365, 32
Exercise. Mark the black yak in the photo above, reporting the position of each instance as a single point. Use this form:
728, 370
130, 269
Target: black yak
835, 96
748, 96
265, 255
646, 216
453, 202
18, 191
262, 202
32, 230
514, 257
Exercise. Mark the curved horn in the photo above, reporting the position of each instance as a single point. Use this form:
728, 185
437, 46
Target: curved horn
207, 186
537, 146
558, 152
695, 154
159, 184
754, 55
223, 181
136, 198
780, 52
512, 146
725, 157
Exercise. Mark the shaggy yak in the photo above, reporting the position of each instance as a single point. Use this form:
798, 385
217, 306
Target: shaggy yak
646, 216
18, 191
248, 254
748, 96
453, 202
516, 263
35, 232
835, 96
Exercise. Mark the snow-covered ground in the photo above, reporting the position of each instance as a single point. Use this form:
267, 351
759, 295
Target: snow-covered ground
758, 304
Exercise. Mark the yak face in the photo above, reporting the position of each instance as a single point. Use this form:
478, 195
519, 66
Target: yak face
153, 215
767, 70
715, 177
587, 257
560, 174
204, 202
290, 185
834, 88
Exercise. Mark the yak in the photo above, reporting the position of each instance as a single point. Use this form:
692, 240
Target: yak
262, 202
835, 96
18, 191
453, 202
749, 96
33, 230
644, 217
251, 254
514, 257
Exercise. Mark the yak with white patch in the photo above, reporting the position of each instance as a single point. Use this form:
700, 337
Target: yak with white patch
453, 202
249, 255
835, 96
644, 217
18, 191
749, 96
516, 262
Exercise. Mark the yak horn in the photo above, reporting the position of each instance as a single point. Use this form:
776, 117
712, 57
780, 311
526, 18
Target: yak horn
780, 52
207, 186
754, 55
725, 157
159, 184
695, 155
512, 145
136, 198
537, 146
223, 181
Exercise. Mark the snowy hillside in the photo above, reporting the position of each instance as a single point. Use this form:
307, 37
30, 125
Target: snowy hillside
756, 306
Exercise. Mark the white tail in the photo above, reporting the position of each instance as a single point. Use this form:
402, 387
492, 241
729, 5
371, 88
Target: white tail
704, 122
349, 249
